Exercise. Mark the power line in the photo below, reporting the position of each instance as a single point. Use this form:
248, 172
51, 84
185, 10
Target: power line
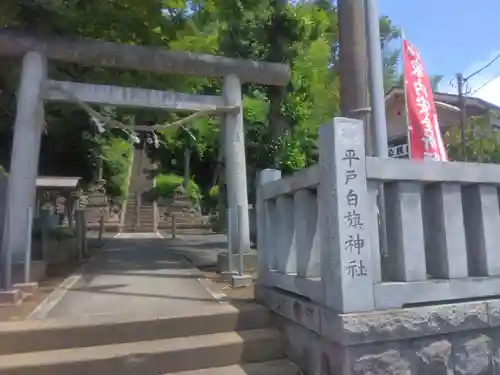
466, 79
463, 85
485, 84
483, 68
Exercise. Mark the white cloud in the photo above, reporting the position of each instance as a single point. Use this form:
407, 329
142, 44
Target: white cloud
485, 85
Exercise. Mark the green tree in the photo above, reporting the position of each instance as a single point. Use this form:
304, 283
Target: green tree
70, 134
280, 123
482, 141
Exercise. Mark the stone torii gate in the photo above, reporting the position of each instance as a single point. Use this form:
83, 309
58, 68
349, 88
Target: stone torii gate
36, 87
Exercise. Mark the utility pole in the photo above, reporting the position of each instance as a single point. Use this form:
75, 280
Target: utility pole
354, 64
463, 114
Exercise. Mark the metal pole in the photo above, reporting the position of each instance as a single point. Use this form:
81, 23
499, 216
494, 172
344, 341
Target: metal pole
377, 94
405, 90
240, 244
229, 241
6, 254
27, 258
101, 227
84, 232
377, 98
174, 227
79, 232
463, 114
138, 210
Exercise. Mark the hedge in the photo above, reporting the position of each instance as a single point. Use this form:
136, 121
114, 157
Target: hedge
166, 184
117, 155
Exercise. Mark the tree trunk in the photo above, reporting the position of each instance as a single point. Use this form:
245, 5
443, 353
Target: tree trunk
187, 164
278, 52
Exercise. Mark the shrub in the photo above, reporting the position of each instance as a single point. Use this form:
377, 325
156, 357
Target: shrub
166, 184
57, 233
214, 192
194, 191
117, 155
213, 198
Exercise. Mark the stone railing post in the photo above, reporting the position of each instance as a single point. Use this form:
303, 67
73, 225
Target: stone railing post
262, 217
346, 267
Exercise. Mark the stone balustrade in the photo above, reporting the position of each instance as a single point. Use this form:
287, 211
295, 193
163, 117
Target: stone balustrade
319, 236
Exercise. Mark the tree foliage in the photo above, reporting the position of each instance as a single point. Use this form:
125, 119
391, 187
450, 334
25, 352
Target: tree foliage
482, 141
280, 123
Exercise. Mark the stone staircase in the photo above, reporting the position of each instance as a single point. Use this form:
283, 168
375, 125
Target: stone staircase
145, 222
140, 211
223, 341
187, 217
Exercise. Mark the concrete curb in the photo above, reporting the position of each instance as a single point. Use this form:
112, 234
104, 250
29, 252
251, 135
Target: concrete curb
43, 309
219, 297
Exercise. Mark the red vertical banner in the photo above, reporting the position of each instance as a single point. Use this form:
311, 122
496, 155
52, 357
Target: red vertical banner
425, 141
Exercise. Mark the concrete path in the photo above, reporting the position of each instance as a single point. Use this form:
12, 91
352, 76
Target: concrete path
134, 274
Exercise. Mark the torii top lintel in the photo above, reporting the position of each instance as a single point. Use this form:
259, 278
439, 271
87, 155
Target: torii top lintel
152, 59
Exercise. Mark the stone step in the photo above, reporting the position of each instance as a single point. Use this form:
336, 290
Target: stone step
42, 335
138, 230
185, 226
186, 232
182, 225
151, 357
181, 204
180, 219
276, 367
180, 213
167, 212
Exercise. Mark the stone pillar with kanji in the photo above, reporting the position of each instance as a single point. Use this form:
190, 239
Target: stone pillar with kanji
346, 268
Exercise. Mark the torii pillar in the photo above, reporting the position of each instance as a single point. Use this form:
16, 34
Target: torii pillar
21, 190
235, 164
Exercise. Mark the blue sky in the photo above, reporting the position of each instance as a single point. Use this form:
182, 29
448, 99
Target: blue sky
452, 36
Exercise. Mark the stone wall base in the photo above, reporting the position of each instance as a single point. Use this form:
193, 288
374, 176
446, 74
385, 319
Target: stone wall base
459, 338
250, 261
10, 297
38, 271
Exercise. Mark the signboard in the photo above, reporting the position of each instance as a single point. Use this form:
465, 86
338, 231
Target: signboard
96, 199
398, 151
82, 202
